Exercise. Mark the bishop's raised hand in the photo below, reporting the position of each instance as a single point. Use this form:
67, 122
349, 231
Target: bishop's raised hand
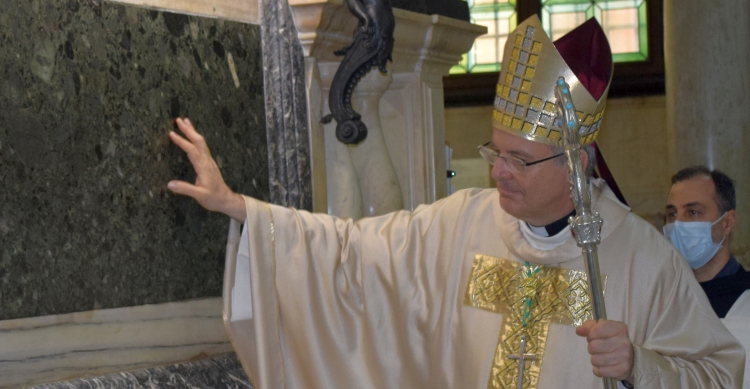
209, 190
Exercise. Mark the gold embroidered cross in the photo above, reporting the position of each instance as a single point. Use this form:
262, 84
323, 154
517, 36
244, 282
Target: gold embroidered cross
503, 286
522, 357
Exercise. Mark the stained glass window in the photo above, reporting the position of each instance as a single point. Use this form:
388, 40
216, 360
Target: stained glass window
499, 16
624, 22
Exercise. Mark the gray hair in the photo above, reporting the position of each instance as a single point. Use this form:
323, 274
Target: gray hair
590, 150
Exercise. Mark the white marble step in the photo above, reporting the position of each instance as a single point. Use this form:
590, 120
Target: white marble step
87, 344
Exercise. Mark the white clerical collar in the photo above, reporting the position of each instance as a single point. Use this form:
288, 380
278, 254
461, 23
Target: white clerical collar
540, 231
538, 239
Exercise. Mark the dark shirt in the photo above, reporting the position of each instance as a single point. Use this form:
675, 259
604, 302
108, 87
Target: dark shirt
727, 287
555, 227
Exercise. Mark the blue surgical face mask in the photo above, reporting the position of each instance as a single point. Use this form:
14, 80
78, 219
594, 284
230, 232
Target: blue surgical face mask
693, 241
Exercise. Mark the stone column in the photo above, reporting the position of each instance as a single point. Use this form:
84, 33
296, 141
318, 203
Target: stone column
707, 52
286, 108
410, 110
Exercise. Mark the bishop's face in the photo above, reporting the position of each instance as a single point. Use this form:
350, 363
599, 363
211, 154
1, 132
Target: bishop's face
541, 194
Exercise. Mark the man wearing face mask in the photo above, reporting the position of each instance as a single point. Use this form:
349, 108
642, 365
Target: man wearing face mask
701, 216
700, 219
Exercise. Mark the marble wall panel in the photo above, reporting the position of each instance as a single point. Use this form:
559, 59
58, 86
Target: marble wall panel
88, 91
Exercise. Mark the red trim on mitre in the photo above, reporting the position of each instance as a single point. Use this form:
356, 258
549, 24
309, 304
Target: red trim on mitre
586, 51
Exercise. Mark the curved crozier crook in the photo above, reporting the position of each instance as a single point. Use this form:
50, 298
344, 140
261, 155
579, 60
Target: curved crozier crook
372, 46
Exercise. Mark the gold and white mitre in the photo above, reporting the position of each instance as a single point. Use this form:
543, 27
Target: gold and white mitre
525, 94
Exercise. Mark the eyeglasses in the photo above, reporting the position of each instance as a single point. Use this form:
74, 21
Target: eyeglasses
515, 165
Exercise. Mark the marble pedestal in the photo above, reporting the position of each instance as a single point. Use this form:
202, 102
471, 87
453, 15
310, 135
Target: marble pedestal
224, 371
410, 110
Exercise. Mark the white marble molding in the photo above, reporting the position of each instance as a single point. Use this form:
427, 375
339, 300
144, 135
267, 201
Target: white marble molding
84, 344
246, 11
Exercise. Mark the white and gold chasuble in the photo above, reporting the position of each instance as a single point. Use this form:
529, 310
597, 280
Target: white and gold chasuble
379, 303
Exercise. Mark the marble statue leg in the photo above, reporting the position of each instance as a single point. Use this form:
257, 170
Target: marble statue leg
378, 182
342, 186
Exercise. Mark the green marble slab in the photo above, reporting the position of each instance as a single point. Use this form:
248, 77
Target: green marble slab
88, 90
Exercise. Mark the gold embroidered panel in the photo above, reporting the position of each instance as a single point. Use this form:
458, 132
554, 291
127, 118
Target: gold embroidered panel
556, 296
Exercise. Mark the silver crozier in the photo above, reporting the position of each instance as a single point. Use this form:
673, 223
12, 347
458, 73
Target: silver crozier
586, 225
